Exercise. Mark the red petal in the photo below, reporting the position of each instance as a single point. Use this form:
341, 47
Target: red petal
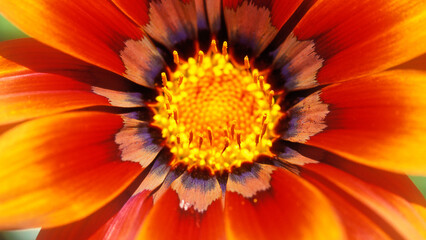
60, 169
395, 214
290, 209
93, 226
36, 80
95, 32
357, 224
380, 124
359, 38
127, 222
168, 220
168, 22
256, 23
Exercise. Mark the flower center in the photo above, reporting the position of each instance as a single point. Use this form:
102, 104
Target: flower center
214, 114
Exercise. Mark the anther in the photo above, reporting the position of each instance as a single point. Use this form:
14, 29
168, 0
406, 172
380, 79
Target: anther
233, 129
200, 141
178, 139
191, 137
257, 139
200, 57
176, 57
210, 134
239, 140
180, 79
164, 79
169, 114
271, 97
167, 105
262, 83
264, 126
168, 94
214, 46
246, 63
255, 76
175, 115
225, 48
265, 115
227, 142
225, 132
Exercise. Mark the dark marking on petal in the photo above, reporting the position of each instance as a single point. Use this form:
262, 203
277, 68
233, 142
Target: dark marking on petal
249, 181
306, 119
196, 192
158, 172
138, 142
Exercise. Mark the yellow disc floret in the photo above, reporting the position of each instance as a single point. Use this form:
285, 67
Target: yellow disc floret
214, 114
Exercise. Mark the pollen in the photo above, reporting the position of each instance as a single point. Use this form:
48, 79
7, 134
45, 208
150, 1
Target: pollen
215, 114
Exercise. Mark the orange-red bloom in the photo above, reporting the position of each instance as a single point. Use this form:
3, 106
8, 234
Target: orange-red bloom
233, 119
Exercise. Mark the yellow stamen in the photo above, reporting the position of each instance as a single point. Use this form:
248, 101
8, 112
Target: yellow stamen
262, 83
265, 115
164, 79
233, 129
210, 134
255, 76
246, 63
176, 57
239, 140
191, 137
225, 48
200, 141
257, 139
265, 125
214, 46
168, 94
200, 57
227, 142
175, 115
271, 97
180, 80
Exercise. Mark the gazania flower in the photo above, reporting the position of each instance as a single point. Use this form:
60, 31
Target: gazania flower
190, 119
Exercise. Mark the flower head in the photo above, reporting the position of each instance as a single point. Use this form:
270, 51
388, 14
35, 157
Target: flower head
190, 119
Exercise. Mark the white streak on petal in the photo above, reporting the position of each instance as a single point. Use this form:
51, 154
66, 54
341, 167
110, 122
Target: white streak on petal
291, 156
299, 63
307, 118
136, 143
201, 16
156, 175
251, 25
249, 183
120, 99
172, 21
196, 192
214, 15
142, 60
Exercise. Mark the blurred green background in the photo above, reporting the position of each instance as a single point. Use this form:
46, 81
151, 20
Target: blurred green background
8, 31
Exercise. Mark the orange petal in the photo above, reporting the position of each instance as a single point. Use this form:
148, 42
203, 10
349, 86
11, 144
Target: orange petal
256, 23
168, 22
357, 225
376, 120
60, 169
360, 38
396, 183
398, 217
36, 80
127, 222
94, 32
96, 225
290, 209
171, 219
